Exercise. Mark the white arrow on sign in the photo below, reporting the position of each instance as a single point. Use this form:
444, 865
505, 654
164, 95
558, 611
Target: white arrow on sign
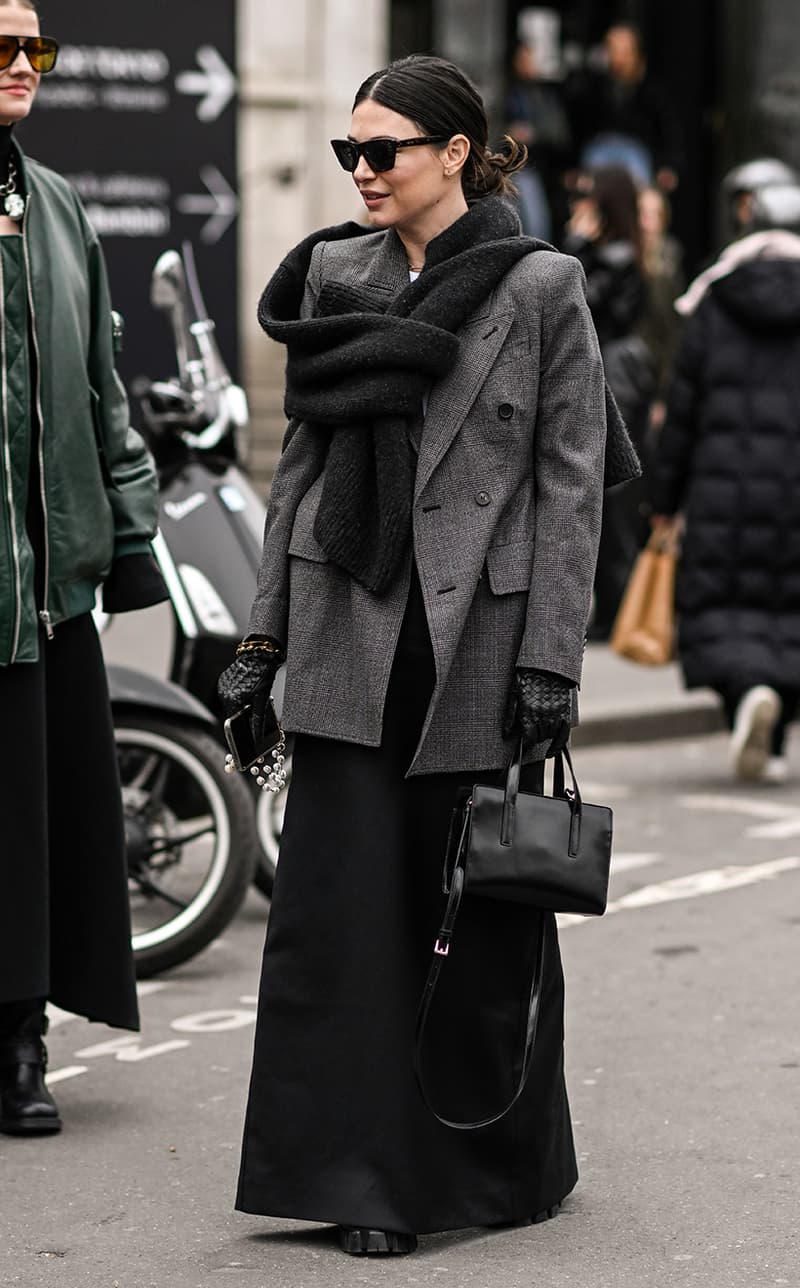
221, 203
215, 83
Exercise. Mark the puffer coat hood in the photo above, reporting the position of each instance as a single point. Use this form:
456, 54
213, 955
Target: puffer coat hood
763, 295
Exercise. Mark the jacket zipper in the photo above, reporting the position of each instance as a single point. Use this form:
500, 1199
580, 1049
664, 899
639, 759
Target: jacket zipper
44, 612
12, 519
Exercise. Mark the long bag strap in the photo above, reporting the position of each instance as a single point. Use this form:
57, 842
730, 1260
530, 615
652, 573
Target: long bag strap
440, 954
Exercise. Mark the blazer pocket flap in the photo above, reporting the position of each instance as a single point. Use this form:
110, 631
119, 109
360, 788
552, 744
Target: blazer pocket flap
303, 543
510, 567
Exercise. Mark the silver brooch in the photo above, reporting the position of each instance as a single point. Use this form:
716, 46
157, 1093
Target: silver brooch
13, 202
14, 205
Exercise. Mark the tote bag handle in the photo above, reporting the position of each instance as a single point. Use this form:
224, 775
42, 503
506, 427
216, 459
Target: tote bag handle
573, 795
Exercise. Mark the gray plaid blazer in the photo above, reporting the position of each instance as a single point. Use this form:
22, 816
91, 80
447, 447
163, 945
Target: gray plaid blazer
506, 521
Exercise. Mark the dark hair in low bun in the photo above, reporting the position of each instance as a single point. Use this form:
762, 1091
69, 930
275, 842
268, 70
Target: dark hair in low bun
492, 172
442, 100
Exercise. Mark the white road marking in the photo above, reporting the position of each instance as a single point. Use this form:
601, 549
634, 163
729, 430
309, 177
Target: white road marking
213, 1021
147, 986
692, 886
61, 1075
627, 862
130, 1050
783, 821
712, 881
778, 831
603, 791
739, 805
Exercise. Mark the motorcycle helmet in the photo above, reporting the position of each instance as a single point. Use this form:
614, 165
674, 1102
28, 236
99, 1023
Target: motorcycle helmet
741, 185
777, 206
756, 174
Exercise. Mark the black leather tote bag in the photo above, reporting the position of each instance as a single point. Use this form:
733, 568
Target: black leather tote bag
553, 852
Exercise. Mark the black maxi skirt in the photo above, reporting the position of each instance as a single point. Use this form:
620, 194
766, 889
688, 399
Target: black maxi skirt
336, 1130
64, 917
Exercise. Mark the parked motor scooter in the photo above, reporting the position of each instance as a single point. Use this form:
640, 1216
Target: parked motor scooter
189, 827
208, 548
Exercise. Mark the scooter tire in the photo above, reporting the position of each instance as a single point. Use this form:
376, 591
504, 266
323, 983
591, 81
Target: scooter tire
236, 851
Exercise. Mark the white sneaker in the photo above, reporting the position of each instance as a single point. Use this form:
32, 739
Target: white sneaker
756, 717
776, 770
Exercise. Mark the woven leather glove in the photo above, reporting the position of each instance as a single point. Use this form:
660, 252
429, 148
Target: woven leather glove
249, 678
539, 709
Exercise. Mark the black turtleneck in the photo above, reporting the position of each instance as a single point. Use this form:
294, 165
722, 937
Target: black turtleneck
5, 150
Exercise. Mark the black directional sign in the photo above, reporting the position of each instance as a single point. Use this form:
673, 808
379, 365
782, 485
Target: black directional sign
140, 115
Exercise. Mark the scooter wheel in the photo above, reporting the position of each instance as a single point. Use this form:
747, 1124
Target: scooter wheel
190, 838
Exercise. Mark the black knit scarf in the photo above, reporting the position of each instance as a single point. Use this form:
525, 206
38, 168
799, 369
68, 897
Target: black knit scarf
362, 374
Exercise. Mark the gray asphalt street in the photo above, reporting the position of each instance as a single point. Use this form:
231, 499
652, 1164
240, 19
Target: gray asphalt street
683, 1057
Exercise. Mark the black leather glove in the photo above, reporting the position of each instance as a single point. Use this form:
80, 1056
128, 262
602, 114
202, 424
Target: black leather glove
539, 708
133, 582
249, 679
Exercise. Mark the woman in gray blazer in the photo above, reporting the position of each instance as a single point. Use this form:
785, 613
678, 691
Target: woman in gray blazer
427, 572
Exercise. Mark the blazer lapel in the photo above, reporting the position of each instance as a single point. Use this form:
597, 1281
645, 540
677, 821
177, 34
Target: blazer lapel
451, 399
386, 269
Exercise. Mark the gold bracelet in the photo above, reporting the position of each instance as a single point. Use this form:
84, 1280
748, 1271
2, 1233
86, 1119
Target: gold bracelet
256, 646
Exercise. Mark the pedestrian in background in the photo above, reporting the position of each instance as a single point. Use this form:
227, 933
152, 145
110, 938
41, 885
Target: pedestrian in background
729, 461
428, 561
79, 506
537, 118
659, 324
603, 233
622, 116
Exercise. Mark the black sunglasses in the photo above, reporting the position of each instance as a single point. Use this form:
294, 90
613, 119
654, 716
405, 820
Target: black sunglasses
40, 51
379, 154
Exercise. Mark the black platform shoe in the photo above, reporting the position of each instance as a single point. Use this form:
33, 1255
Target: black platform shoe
360, 1242
26, 1106
546, 1214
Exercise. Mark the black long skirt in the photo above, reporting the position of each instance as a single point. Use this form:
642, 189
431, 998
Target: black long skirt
336, 1130
64, 918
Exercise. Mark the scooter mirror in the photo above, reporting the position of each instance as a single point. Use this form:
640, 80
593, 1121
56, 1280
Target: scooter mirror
169, 294
168, 283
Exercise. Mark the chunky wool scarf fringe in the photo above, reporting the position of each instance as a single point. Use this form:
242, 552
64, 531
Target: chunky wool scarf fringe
361, 374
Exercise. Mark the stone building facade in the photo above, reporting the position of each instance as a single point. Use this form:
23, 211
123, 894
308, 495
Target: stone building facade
299, 63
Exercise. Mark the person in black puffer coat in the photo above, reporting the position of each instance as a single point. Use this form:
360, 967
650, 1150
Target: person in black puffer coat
729, 459
604, 234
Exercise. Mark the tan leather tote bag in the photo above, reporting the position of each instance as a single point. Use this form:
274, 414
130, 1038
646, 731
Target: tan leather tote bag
644, 629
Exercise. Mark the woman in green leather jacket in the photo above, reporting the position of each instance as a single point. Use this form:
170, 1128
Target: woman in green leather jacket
78, 506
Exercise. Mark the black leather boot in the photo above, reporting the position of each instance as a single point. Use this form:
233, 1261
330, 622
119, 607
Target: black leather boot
26, 1106
360, 1242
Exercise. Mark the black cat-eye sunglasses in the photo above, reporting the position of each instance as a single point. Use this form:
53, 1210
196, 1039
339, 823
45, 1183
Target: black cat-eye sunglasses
379, 154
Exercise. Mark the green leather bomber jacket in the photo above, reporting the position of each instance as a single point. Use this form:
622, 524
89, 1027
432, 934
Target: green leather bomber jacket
97, 480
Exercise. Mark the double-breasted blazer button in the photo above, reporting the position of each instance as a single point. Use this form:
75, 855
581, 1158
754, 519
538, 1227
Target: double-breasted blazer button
505, 411
483, 498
